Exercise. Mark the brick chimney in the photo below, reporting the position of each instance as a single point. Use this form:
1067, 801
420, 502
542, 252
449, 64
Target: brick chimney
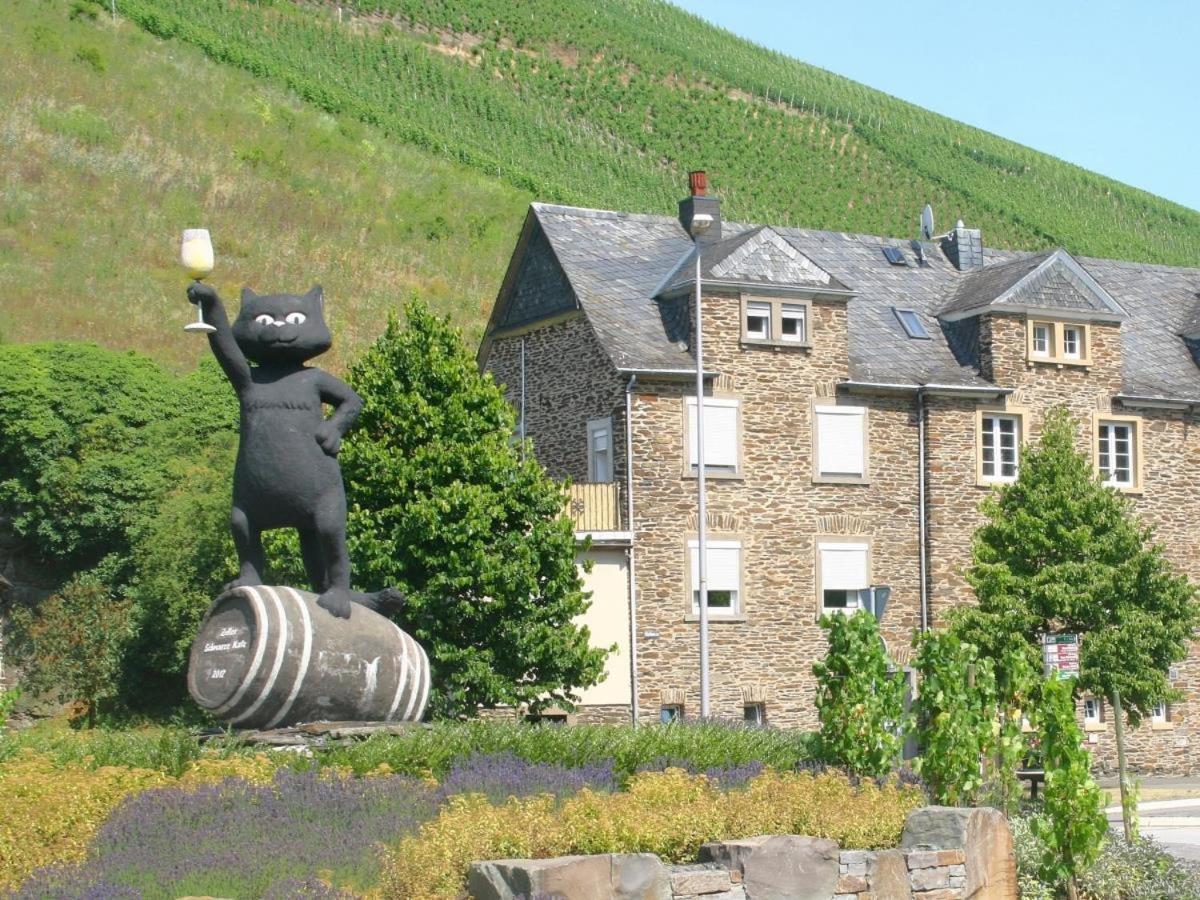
964, 247
699, 204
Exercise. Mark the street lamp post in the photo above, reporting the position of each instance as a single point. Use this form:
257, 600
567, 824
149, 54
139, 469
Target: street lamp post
701, 492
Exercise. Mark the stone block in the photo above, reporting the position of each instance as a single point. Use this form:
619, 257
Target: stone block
923, 859
983, 836
940, 894
929, 879
851, 884
615, 876
889, 876
733, 854
788, 867
700, 879
950, 857
856, 861
737, 892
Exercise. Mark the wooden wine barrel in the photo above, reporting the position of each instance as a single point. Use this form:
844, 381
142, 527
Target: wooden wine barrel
269, 657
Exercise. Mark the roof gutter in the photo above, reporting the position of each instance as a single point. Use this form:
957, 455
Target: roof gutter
1133, 401
928, 390
1021, 309
668, 374
792, 290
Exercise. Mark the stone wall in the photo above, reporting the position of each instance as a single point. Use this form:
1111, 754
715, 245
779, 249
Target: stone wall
981, 866
568, 380
777, 512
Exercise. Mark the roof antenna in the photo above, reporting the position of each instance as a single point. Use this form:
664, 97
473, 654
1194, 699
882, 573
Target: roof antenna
926, 234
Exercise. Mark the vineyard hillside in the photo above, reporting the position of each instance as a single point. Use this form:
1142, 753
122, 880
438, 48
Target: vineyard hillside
393, 144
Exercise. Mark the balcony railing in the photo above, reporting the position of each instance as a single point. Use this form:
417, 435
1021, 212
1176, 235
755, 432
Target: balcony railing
596, 506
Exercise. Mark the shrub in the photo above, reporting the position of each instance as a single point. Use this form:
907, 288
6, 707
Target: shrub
1122, 871
669, 813
71, 646
1072, 825
49, 811
956, 716
859, 701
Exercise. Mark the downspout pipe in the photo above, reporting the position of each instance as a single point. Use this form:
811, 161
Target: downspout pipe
922, 511
633, 589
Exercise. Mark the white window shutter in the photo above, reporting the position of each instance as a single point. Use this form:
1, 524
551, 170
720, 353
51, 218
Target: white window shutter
724, 565
844, 567
720, 433
840, 443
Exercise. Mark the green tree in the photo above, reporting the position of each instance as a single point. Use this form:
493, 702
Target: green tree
1061, 552
71, 647
443, 506
860, 701
1072, 825
955, 708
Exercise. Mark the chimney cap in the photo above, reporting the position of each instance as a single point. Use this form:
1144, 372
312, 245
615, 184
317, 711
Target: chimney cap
698, 182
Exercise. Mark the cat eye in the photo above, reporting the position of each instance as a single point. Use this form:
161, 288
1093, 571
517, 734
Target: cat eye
295, 318
264, 319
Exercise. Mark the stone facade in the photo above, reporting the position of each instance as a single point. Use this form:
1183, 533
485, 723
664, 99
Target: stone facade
778, 511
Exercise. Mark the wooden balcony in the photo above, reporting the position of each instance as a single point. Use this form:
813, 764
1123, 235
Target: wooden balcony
596, 507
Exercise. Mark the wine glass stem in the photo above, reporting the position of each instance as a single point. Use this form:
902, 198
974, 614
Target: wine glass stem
200, 312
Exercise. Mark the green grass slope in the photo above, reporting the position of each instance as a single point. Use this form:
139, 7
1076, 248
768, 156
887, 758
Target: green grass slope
112, 141
607, 103
393, 145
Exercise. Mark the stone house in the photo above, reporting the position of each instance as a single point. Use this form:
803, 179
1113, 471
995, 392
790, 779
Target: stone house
863, 394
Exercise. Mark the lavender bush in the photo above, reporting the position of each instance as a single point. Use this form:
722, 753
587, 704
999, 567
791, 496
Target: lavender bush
237, 839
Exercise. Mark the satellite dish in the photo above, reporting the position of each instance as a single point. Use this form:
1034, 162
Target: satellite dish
927, 222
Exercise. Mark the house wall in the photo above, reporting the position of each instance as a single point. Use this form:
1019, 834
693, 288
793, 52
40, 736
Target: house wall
568, 380
608, 621
777, 512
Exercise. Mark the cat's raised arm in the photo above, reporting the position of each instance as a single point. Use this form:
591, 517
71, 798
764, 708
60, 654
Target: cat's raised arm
346, 407
224, 347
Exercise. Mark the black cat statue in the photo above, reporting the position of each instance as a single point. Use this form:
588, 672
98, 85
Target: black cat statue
287, 476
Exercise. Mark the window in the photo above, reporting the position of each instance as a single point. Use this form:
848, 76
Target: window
772, 320
1041, 338
843, 575
1160, 715
758, 320
841, 439
720, 435
724, 577
1116, 452
911, 323
895, 256
999, 446
599, 435
754, 714
1059, 342
1093, 712
671, 713
793, 323
1072, 342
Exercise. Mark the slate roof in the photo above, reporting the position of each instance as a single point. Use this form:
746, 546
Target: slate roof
618, 262
1050, 280
757, 255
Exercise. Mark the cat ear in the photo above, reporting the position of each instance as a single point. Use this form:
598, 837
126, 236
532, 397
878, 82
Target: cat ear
248, 294
317, 294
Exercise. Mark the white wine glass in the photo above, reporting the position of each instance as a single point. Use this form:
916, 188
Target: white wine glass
196, 256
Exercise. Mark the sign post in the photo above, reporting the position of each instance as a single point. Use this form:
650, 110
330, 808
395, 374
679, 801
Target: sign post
1060, 655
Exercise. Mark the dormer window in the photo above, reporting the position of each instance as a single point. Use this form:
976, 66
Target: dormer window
1059, 342
775, 321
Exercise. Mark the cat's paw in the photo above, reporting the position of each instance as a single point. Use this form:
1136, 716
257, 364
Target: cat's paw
329, 438
199, 292
336, 601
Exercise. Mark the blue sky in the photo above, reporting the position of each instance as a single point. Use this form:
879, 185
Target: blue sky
1113, 87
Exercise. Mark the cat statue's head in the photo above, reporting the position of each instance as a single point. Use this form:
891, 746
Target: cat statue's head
272, 328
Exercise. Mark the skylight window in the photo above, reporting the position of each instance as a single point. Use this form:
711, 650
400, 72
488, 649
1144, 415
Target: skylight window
911, 323
895, 256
